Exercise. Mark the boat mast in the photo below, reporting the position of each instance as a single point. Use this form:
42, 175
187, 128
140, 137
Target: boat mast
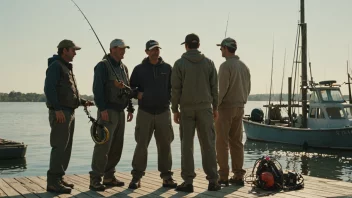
304, 85
349, 85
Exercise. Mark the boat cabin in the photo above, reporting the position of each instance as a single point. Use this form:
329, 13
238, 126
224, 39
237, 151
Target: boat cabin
327, 108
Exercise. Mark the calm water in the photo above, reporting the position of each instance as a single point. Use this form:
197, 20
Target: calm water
28, 123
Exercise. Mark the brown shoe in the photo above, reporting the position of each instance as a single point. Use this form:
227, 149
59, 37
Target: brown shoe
236, 181
58, 188
96, 186
134, 184
63, 182
113, 182
169, 183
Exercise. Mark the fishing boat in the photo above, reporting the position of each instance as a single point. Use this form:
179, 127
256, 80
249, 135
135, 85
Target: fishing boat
323, 121
11, 149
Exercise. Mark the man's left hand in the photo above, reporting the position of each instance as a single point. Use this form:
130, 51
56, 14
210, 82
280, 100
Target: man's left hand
129, 117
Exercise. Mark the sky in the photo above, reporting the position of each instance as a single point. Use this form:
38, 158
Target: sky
31, 30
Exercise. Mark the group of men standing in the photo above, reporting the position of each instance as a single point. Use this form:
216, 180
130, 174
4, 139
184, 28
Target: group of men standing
202, 100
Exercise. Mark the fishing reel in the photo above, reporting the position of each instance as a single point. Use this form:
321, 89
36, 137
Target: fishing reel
129, 92
99, 133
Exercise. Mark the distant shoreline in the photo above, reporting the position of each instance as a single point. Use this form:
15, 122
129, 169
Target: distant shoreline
34, 97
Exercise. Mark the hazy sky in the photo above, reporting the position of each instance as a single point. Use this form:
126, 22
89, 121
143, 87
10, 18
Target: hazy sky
31, 30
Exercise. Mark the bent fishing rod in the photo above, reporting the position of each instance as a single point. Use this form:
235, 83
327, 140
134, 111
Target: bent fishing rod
127, 88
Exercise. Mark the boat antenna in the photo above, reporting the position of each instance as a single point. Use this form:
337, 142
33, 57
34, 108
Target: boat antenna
228, 16
283, 74
271, 78
126, 89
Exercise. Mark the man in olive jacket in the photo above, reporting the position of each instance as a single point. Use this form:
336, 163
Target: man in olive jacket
62, 99
194, 104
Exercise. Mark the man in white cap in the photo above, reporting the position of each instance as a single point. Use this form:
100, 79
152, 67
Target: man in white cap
111, 102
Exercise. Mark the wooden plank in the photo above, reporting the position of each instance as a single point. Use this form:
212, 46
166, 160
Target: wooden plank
2, 193
246, 191
19, 188
35, 188
40, 183
8, 190
151, 185
116, 191
74, 192
83, 186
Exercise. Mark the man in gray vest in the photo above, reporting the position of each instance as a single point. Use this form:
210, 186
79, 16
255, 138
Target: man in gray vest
195, 92
111, 102
62, 99
152, 77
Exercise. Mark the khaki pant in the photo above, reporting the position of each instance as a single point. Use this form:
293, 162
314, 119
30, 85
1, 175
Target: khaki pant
229, 135
203, 121
61, 138
107, 156
146, 125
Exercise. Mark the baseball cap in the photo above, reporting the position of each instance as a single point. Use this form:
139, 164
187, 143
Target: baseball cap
68, 44
118, 43
152, 44
191, 38
228, 42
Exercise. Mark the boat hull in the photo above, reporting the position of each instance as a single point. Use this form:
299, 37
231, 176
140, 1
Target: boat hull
12, 151
339, 138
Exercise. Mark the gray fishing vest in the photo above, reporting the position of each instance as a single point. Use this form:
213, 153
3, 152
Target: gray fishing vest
114, 94
66, 89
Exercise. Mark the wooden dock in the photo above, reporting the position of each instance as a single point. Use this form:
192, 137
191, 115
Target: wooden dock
34, 187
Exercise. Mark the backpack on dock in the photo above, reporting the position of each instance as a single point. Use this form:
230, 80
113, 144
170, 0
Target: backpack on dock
267, 174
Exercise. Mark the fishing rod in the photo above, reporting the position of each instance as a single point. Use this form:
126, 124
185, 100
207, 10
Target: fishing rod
126, 89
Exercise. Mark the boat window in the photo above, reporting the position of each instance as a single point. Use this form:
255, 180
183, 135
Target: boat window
335, 113
331, 95
313, 97
348, 111
312, 113
320, 114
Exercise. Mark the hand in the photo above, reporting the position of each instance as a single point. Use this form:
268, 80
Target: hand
119, 84
216, 115
129, 117
104, 115
88, 103
60, 117
177, 118
140, 95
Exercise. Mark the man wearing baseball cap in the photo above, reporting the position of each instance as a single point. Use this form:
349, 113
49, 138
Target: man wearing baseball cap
152, 77
111, 102
194, 104
234, 88
62, 99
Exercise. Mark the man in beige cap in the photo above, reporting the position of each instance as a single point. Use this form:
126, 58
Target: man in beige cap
111, 102
234, 88
62, 99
